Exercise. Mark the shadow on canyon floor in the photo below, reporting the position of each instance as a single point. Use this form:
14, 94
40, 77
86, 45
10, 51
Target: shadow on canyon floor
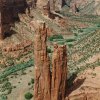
72, 86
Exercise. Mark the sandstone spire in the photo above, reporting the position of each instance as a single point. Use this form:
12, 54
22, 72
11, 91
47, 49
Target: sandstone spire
59, 73
42, 66
49, 86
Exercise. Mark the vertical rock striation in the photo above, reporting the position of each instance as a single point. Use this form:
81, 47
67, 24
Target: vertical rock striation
49, 86
42, 66
59, 73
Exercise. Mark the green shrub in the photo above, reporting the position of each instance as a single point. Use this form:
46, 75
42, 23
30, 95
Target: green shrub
32, 80
3, 97
7, 86
55, 37
98, 25
70, 45
49, 50
3, 65
81, 30
61, 42
14, 86
3, 80
70, 40
75, 34
29, 83
10, 62
28, 96
10, 70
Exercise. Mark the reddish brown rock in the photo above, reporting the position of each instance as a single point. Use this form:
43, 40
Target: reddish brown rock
59, 73
42, 66
49, 86
19, 46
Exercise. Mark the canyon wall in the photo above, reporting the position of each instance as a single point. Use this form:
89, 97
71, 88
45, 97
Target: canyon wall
9, 10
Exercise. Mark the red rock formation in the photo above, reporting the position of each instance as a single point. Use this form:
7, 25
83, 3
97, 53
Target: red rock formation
42, 66
20, 46
49, 86
59, 73
34, 25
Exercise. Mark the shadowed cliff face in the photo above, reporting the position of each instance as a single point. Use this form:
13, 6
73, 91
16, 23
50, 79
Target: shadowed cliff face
9, 11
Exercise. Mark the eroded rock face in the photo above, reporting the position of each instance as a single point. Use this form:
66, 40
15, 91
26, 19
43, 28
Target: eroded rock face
42, 66
19, 46
6, 18
86, 86
59, 73
49, 86
55, 5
